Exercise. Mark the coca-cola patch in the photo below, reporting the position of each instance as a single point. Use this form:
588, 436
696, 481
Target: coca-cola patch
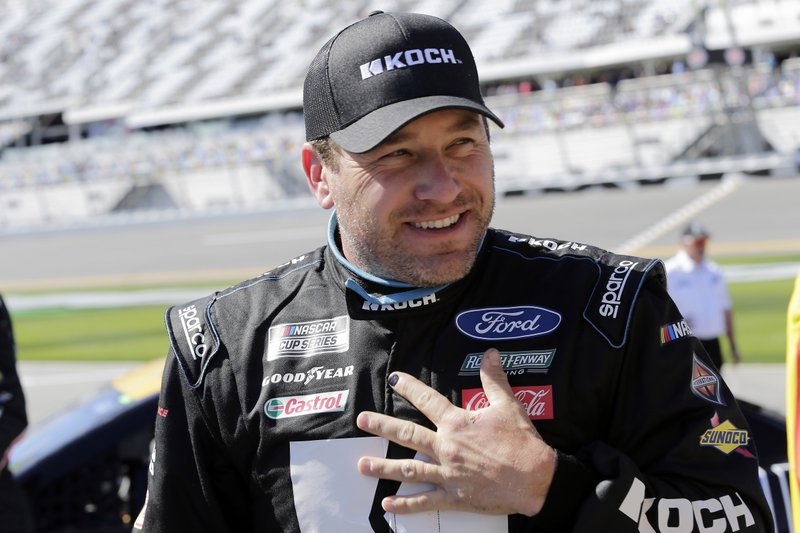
537, 400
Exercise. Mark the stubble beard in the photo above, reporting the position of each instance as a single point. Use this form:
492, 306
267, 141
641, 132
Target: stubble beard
384, 256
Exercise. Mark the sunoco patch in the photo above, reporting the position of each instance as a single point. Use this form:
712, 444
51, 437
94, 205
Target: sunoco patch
304, 339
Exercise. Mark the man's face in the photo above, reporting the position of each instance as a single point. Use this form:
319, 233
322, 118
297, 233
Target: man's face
416, 207
695, 247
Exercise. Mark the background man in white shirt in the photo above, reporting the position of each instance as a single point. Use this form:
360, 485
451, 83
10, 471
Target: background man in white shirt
698, 288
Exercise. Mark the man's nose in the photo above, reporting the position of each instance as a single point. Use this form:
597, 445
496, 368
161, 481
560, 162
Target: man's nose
437, 181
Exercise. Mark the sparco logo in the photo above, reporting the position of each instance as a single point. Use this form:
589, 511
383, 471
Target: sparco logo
304, 339
614, 287
289, 406
538, 401
399, 306
317, 373
193, 330
504, 323
408, 58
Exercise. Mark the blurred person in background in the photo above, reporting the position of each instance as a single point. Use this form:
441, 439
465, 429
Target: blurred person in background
425, 372
793, 399
697, 286
14, 510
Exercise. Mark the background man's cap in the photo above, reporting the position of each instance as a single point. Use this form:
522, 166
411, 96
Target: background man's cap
695, 230
382, 72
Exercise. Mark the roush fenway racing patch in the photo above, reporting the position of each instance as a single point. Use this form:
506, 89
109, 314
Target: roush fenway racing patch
537, 400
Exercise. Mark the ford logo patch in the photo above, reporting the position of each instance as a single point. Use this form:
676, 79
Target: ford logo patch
505, 323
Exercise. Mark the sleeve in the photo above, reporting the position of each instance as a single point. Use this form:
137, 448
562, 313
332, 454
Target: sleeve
192, 483
678, 456
13, 418
793, 399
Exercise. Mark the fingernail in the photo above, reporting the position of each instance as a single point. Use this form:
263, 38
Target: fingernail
393, 379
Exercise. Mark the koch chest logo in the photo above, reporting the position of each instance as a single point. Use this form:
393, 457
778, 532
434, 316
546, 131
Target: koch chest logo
408, 58
513, 362
304, 339
506, 323
308, 404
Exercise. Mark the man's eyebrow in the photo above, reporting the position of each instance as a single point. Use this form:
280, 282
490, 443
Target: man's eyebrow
466, 123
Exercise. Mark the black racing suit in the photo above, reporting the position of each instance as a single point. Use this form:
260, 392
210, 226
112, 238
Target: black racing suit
14, 508
256, 426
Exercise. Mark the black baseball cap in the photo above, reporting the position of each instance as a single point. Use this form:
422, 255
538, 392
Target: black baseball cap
695, 230
382, 72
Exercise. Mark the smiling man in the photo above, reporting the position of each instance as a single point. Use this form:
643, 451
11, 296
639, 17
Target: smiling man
424, 372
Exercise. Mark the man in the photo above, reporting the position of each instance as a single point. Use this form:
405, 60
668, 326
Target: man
423, 372
793, 399
14, 512
696, 285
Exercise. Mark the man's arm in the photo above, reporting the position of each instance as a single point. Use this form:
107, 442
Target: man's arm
13, 418
729, 331
191, 486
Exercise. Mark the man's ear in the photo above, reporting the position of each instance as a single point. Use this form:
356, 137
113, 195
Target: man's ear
316, 176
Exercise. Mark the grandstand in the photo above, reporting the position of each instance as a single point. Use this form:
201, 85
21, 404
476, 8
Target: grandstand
159, 106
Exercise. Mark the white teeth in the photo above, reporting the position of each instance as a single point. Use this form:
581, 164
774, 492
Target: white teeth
438, 224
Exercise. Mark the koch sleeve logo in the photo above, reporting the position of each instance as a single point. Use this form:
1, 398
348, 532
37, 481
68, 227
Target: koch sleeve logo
726, 437
705, 383
304, 339
309, 404
537, 401
674, 331
506, 323
513, 362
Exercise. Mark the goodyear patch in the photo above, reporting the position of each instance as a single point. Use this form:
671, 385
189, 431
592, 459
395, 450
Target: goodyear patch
305, 339
726, 437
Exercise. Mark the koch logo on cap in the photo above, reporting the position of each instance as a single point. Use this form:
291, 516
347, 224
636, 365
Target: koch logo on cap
384, 71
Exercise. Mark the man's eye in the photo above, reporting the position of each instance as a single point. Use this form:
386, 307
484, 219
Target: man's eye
464, 141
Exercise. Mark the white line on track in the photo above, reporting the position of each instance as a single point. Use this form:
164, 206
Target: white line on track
729, 184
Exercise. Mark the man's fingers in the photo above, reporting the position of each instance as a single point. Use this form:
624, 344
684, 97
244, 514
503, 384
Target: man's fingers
429, 402
404, 470
415, 503
494, 379
402, 432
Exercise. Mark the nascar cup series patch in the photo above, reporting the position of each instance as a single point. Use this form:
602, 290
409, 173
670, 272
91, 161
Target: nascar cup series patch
305, 339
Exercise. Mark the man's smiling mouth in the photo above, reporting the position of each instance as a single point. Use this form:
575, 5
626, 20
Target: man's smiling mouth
437, 224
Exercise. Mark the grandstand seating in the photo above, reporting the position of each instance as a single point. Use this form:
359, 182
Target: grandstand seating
111, 67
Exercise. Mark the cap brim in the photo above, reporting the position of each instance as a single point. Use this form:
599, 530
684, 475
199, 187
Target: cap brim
372, 129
